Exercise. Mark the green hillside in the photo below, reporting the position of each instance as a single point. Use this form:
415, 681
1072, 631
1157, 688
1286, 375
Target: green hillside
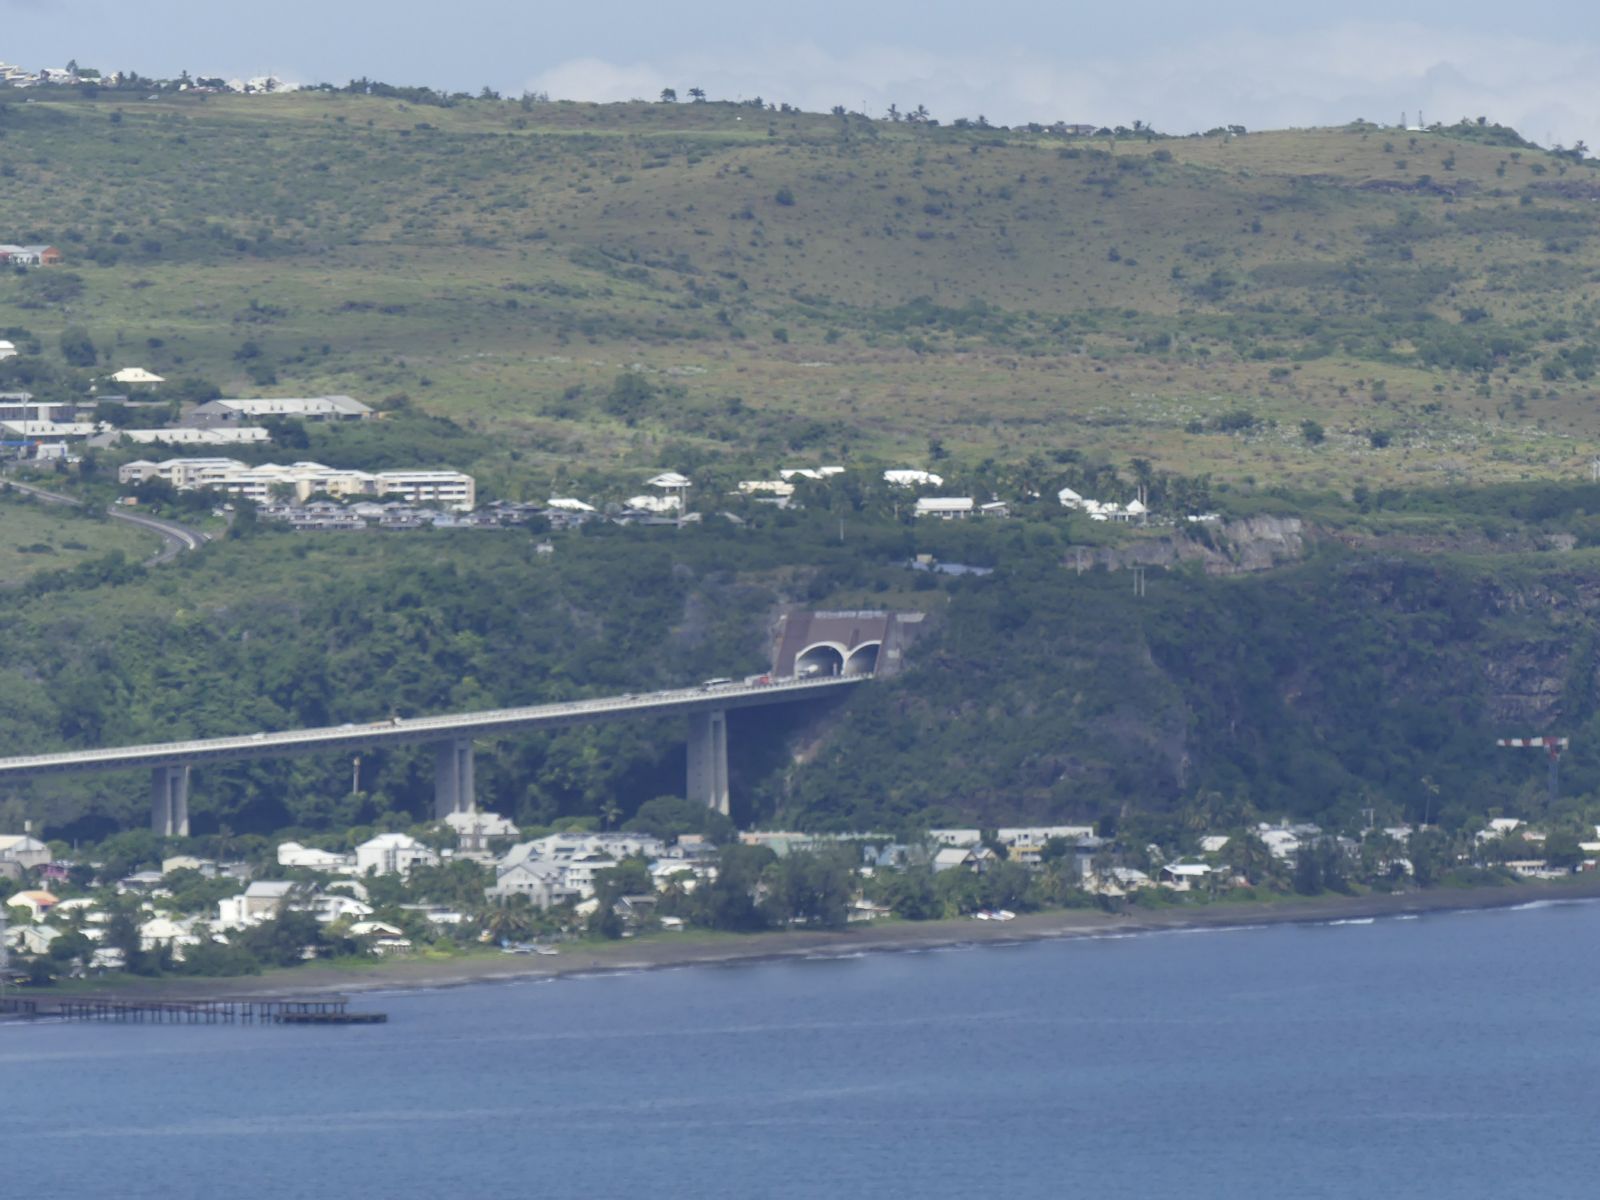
1387, 337
831, 287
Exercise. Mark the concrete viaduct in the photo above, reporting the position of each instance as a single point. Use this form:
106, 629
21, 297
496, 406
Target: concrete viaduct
451, 737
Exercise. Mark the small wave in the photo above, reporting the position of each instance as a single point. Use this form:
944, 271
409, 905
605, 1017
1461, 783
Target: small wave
1352, 921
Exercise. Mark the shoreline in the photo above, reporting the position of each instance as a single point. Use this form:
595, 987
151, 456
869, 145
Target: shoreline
664, 951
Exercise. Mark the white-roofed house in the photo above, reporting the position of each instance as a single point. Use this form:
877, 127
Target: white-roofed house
136, 375
946, 508
910, 477
392, 854
293, 854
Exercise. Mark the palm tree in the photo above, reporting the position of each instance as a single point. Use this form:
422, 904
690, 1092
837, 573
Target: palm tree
698, 95
609, 812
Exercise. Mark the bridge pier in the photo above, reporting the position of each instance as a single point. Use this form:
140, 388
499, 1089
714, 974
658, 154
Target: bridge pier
708, 759
453, 790
169, 801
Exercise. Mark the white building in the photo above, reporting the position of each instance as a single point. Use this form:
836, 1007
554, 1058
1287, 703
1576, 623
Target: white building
913, 478
946, 508
242, 435
766, 487
293, 854
393, 854
474, 829
542, 882
261, 901
301, 480
136, 375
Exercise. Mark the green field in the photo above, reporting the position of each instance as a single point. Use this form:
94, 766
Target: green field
805, 287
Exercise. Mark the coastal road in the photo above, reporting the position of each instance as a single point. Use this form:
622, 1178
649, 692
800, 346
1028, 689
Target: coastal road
175, 538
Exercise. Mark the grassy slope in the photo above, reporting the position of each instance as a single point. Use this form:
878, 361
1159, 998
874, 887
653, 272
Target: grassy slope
502, 265
36, 537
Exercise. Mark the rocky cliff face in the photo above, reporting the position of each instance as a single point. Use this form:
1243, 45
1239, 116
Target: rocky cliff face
1229, 548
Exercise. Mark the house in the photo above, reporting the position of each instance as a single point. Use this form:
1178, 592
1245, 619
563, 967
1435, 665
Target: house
375, 929
658, 505
1280, 843
542, 882
308, 408
1182, 876
1213, 843
188, 862
159, 932
1128, 878
971, 858
946, 508
7, 350
1498, 828
332, 906
475, 829
293, 854
136, 375
955, 837
32, 939
36, 902
139, 881
776, 488
29, 256
912, 478
261, 901
392, 854
24, 850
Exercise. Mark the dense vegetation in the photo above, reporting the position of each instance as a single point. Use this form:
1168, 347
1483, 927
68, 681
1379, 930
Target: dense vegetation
1356, 681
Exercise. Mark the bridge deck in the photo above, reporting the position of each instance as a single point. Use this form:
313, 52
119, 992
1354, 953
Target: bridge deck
420, 729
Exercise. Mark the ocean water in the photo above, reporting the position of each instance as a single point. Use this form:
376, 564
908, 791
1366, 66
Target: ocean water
1453, 1056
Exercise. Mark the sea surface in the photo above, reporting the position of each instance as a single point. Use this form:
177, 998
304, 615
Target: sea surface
1452, 1055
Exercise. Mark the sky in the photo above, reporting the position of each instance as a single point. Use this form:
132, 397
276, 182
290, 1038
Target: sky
1177, 65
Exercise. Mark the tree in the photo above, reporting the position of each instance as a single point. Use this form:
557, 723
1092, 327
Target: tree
810, 888
669, 96
629, 396
698, 95
1561, 849
77, 347
1312, 432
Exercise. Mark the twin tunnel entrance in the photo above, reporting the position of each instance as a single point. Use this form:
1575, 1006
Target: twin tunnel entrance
824, 659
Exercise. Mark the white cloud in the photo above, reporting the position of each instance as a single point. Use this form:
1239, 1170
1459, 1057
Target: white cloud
1545, 88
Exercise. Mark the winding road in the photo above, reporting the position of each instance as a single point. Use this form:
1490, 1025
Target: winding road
175, 538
